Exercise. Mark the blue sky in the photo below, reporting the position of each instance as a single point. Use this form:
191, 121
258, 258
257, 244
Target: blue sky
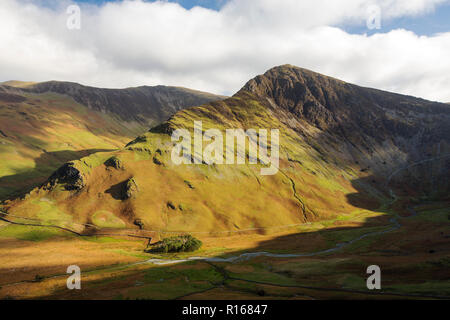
188, 4
427, 24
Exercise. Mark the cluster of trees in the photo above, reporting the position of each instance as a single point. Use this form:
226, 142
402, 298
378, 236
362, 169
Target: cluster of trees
185, 243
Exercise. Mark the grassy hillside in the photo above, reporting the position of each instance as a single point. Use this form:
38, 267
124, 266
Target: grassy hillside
359, 170
40, 129
339, 144
202, 198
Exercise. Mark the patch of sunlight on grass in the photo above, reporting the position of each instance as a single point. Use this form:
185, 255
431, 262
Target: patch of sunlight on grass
102, 239
106, 219
30, 233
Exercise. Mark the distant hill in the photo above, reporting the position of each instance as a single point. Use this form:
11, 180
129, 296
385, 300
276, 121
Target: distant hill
18, 84
146, 105
43, 125
342, 147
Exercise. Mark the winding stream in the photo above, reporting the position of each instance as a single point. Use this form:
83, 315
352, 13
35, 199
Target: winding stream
251, 255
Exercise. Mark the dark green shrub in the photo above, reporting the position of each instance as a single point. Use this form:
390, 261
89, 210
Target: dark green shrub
186, 243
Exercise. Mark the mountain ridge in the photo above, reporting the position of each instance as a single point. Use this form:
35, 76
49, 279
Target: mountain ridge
377, 114
339, 147
46, 124
133, 103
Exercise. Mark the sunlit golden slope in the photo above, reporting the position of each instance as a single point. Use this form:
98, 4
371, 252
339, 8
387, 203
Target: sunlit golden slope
46, 124
338, 142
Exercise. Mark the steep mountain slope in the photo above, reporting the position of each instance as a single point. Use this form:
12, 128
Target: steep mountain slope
380, 131
339, 147
43, 125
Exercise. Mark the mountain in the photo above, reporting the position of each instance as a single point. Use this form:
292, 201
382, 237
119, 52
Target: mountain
43, 125
144, 105
380, 131
342, 148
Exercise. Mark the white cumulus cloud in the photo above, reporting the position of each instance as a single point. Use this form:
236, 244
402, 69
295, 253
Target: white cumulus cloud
132, 43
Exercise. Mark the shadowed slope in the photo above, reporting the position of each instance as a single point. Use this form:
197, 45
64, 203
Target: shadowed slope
46, 118
146, 105
380, 131
336, 139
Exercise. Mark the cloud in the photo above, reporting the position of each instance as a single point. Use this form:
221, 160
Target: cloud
133, 43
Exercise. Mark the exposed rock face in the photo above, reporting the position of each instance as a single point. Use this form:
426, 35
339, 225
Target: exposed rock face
380, 130
165, 127
342, 108
157, 160
131, 189
114, 162
67, 175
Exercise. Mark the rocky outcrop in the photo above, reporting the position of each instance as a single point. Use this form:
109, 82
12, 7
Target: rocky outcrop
139, 223
131, 189
165, 127
69, 176
114, 162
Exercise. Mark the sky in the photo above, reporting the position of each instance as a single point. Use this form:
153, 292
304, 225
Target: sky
218, 45
188, 4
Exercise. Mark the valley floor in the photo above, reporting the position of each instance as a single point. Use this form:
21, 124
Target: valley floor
326, 260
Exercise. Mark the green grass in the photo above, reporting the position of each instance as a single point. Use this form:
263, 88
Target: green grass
438, 215
309, 268
106, 219
428, 288
164, 290
351, 281
261, 274
101, 239
139, 255
362, 245
50, 213
207, 273
30, 233
345, 235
